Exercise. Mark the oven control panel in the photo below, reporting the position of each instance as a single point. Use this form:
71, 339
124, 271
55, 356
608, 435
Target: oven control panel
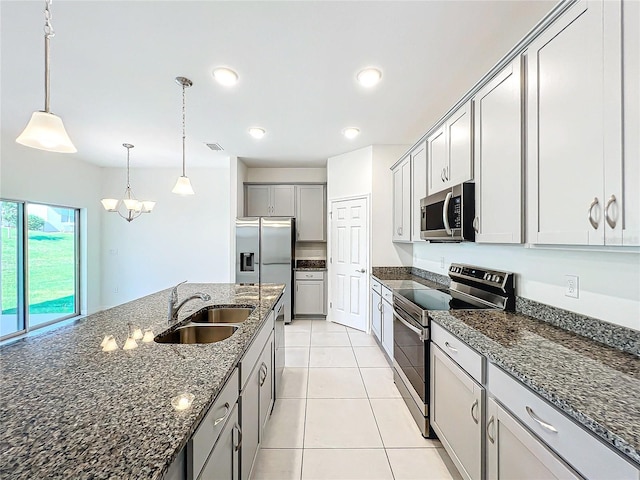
493, 278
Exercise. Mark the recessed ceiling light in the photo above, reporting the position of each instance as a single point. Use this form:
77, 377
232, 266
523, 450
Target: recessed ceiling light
257, 132
351, 132
369, 77
225, 76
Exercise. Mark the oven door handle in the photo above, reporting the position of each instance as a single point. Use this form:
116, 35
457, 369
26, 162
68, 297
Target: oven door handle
409, 326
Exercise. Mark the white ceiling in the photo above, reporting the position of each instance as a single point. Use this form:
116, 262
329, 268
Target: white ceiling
114, 64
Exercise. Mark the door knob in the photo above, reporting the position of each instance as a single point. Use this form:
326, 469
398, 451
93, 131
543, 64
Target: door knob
362, 270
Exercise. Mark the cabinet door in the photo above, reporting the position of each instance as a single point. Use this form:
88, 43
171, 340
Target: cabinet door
309, 297
405, 232
498, 158
456, 412
387, 328
223, 462
621, 194
565, 129
437, 161
258, 202
283, 201
266, 386
418, 187
310, 213
376, 315
250, 421
397, 203
460, 165
514, 453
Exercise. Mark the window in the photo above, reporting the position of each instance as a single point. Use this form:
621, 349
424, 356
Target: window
40, 267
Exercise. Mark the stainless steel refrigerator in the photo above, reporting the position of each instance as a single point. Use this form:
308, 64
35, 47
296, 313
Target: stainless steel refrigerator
265, 253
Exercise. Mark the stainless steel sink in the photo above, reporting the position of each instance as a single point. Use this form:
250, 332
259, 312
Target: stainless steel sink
197, 334
221, 315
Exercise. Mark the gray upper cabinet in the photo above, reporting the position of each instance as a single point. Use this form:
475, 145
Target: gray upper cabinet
449, 151
270, 201
498, 157
311, 213
402, 201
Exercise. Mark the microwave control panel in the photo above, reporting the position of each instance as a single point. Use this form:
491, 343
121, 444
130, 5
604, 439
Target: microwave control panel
457, 212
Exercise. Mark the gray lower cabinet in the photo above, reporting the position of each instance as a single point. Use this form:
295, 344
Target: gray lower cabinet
310, 297
256, 401
223, 463
513, 452
376, 310
457, 404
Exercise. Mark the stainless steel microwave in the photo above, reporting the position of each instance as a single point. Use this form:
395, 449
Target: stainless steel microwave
447, 216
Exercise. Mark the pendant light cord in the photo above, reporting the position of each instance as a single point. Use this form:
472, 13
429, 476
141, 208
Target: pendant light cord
184, 135
48, 33
128, 183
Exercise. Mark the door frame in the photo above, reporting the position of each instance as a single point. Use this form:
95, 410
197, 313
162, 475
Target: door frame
367, 282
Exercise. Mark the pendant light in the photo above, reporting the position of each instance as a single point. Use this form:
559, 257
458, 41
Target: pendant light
183, 185
45, 130
134, 207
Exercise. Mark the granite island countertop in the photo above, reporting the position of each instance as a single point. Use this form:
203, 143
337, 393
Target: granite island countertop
70, 410
596, 385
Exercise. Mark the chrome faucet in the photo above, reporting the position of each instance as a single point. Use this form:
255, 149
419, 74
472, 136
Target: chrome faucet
174, 306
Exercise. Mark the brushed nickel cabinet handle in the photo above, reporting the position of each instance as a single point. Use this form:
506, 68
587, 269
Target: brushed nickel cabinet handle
610, 221
226, 414
542, 423
476, 222
474, 407
448, 345
492, 439
593, 223
237, 427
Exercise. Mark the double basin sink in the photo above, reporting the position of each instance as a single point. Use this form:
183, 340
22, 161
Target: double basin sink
209, 325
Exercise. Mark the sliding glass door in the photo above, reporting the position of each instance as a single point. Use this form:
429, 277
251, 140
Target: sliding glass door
40, 267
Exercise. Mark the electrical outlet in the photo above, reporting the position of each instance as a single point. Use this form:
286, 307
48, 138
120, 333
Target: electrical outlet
113, 251
571, 287
442, 262
115, 290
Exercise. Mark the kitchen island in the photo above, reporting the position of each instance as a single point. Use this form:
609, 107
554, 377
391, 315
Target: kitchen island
71, 410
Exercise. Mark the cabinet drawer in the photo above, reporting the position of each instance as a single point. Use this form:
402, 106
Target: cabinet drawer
387, 294
376, 286
306, 275
460, 352
251, 356
205, 437
584, 452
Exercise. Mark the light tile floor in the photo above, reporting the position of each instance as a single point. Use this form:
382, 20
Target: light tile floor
340, 416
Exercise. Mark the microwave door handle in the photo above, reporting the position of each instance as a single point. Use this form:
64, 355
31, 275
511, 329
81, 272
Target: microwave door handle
445, 213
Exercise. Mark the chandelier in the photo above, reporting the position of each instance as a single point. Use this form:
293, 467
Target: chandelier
132, 206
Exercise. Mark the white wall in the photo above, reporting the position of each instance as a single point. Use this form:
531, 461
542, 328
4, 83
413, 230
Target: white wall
59, 179
349, 174
184, 238
286, 175
609, 282
383, 251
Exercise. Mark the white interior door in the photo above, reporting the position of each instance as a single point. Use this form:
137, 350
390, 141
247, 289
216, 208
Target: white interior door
349, 263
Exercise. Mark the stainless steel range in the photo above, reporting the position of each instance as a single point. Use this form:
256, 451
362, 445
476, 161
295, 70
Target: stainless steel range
471, 288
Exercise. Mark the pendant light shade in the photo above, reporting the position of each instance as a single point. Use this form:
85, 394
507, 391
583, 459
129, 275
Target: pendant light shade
45, 130
183, 185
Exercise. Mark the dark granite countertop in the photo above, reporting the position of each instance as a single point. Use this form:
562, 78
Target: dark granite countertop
404, 280
70, 410
596, 385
